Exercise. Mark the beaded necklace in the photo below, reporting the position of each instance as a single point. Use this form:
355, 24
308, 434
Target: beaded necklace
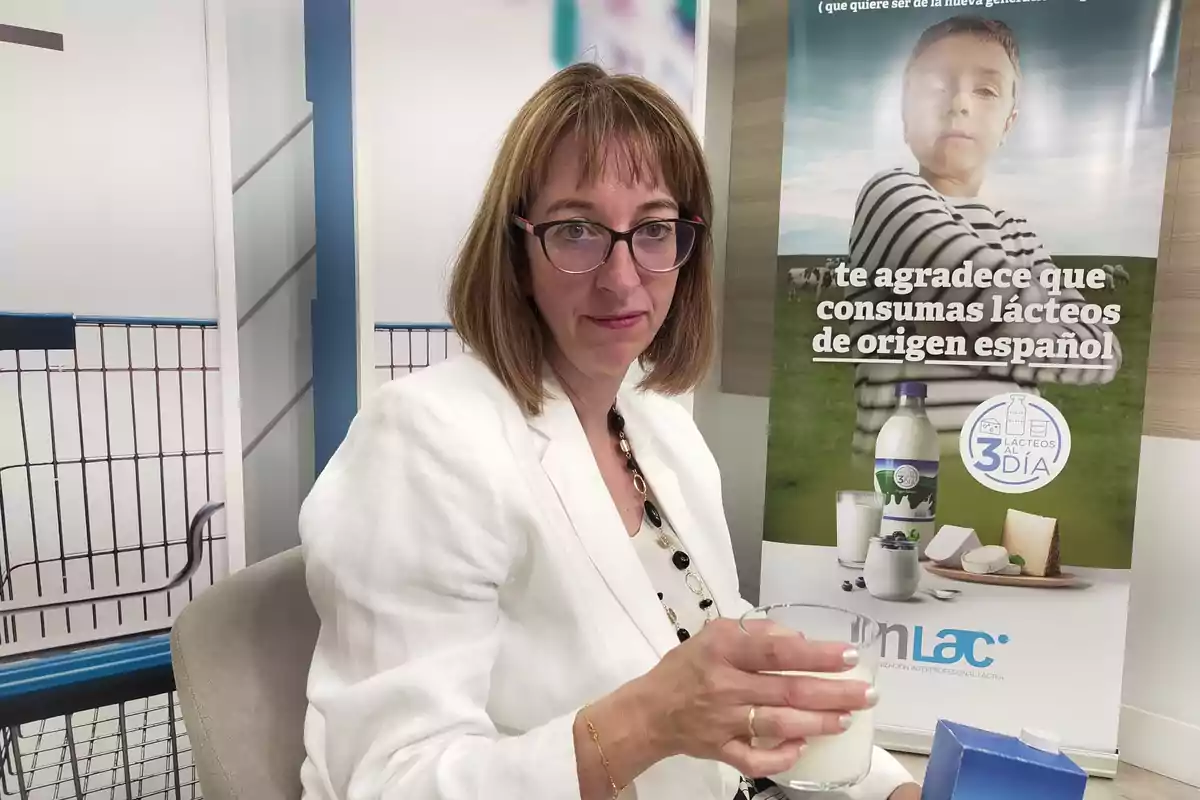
679, 558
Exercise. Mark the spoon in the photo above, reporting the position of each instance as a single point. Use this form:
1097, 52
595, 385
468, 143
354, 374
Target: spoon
943, 594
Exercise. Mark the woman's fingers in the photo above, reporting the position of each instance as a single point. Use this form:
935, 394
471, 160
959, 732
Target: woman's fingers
772, 650
760, 762
807, 692
773, 724
793, 685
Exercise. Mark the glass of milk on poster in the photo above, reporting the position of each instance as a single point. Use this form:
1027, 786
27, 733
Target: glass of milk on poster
858, 521
835, 762
906, 468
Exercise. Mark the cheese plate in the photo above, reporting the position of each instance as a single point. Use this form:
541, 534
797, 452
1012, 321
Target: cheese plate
1061, 581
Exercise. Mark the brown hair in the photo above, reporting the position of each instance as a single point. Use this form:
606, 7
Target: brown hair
487, 304
988, 30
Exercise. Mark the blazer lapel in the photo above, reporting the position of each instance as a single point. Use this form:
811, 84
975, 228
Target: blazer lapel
571, 467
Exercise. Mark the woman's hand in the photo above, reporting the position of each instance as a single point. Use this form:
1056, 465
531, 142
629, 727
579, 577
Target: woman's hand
697, 700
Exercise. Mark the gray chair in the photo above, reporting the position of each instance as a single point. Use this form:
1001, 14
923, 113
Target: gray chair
241, 653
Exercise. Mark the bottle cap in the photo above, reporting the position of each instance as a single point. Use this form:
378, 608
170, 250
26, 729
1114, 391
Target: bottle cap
911, 389
1040, 740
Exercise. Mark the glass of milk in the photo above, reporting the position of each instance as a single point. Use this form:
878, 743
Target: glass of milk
831, 763
859, 515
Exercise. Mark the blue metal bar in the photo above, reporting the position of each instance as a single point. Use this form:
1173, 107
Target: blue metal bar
42, 673
328, 60
170, 321
164, 321
33, 315
41, 331
37, 332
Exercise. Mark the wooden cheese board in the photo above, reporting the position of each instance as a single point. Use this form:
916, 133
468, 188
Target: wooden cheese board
1061, 581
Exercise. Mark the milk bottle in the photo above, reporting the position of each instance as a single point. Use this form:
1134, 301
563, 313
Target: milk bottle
906, 468
1014, 418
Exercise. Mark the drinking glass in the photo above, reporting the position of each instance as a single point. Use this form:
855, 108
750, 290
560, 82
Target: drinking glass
838, 761
859, 515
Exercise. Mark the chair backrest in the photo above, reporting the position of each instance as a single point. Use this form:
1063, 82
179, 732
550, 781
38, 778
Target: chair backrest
241, 652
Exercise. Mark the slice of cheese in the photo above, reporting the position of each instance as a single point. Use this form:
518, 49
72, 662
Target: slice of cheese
1034, 539
985, 560
950, 544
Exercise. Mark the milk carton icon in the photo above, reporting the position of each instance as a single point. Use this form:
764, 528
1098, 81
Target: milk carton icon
971, 764
1014, 418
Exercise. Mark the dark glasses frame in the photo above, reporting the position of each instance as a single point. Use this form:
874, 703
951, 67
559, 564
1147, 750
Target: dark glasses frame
699, 228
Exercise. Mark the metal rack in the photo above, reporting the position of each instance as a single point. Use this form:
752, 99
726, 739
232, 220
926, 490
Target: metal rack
134, 749
108, 463
402, 348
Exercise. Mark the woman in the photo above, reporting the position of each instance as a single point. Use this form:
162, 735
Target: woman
522, 569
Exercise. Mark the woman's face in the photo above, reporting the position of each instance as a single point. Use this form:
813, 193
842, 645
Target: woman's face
601, 320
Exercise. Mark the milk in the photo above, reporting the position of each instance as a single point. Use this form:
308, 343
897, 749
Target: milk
858, 519
906, 468
841, 760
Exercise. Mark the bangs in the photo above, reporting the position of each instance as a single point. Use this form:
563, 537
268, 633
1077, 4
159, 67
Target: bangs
619, 128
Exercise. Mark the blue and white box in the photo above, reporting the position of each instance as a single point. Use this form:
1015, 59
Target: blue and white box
971, 764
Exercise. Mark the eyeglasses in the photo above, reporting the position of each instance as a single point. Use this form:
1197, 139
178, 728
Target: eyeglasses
577, 246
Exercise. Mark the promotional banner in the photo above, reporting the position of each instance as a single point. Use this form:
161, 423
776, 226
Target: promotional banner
970, 214
652, 38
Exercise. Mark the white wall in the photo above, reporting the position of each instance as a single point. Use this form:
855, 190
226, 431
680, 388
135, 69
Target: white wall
429, 113
106, 203
275, 233
1160, 719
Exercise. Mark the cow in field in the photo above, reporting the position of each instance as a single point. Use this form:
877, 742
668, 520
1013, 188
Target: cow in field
1115, 275
801, 278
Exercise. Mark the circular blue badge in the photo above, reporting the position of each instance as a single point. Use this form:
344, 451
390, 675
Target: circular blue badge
1015, 443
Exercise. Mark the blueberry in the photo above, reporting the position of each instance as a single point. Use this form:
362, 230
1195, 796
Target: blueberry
847, 586
861, 582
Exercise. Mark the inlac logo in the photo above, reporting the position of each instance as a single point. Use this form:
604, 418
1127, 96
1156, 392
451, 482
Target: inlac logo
1015, 443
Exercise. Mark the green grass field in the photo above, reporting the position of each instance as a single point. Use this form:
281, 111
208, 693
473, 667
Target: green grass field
809, 457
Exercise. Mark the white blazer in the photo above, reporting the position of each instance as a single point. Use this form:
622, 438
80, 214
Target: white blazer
476, 588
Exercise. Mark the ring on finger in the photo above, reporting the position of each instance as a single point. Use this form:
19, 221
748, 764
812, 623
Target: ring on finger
750, 723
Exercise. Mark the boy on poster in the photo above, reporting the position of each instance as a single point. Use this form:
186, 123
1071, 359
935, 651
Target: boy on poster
960, 92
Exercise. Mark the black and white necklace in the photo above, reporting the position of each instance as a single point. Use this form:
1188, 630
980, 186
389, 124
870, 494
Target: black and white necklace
679, 558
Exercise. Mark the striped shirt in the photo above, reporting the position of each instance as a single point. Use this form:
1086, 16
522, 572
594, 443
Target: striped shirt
900, 220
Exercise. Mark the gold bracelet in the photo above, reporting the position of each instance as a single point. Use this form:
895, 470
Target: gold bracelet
603, 758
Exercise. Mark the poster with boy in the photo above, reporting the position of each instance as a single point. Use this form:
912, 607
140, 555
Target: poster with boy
969, 226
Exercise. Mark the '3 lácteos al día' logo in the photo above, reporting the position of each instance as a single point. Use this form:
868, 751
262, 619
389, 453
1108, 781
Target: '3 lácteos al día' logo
907, 477
1015, 443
